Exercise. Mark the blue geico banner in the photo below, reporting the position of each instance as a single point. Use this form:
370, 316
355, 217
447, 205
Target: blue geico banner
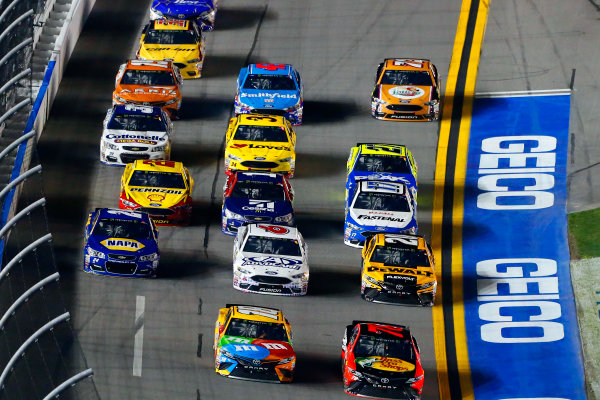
522, 334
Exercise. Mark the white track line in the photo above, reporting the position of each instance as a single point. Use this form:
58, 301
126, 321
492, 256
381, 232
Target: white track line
138, 346
523, 93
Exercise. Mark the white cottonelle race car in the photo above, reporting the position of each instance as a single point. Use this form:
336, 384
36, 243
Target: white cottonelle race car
270, 259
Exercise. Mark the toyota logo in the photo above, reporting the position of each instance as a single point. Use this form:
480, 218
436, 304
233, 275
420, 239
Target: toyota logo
256, 362
385, 380
399, 287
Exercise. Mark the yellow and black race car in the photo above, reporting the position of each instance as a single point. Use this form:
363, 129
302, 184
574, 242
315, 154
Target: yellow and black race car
398, 269
177, 40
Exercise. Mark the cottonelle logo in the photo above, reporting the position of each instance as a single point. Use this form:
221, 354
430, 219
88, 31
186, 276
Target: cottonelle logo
122, 244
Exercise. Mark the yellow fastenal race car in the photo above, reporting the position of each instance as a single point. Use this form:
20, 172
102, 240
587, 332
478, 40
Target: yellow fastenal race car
161, 188
257, 142
254, 343
177, 40
398, 269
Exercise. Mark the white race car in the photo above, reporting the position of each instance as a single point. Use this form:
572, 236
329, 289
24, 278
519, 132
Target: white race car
134, 132
270, 259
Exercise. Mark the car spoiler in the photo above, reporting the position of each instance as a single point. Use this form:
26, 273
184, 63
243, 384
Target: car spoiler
355, 322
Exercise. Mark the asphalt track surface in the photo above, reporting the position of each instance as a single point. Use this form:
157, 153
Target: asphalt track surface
336, 46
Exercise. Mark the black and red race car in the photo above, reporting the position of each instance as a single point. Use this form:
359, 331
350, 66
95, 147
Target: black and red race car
381, 360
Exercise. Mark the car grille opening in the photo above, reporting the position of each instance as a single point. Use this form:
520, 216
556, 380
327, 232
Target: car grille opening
147, 103
121, 257
272, 280
260, 164
134, 148
180, 65
404, 107
129, 158
254, 218
155, 211
121, 268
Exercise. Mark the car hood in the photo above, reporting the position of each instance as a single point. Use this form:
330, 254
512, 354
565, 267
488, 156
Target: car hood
384, 364
122, 136
147, 93
257, 98
183, 9
389, 219
356, 176
156, 197
407, 94
122, 245
271, 264
256, 349
176, 53
263, 151
257, 207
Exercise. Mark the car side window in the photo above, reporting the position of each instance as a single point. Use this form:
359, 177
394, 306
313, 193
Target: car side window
354, 336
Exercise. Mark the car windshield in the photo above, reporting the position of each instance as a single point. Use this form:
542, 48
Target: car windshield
258, 191
171, 180
169, 37
256, 330
147, 77
400, 257
261, 133
269, 82
416, 78
369, 345
122, 228
137, 122
382, 163
382, 202
271, 245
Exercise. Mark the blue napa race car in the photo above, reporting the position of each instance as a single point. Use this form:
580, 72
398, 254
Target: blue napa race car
378, 207
255, 197
120, 243
274, 89
203, 11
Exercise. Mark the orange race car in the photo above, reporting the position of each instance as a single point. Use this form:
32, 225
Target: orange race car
149, 83
406, 89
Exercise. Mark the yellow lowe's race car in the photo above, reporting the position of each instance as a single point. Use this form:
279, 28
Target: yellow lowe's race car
161, 188
177, 40
398, 269
257, 142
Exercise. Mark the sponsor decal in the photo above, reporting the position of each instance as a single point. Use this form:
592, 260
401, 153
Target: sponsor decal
380, 218
385, 364
260, 205
387, 177
156, 197
271, 95
259, 146
157, 190
268, 261
401, 116
271, 67
131, 138
171, 22
122, 244
406, 92
155, 90
270, 290
168, 49
399, 270
135, 141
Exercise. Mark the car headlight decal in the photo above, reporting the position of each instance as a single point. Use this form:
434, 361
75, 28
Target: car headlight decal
284, 218
149, 257
232, 215
95, 253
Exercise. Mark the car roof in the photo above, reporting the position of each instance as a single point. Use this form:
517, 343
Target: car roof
255, 313
270, 69
243, 176
287, 232
407, 64
136, 110
168, 166
385, 329
122, 214
170, 25
381, 148
251, 119
407, 242
152, 65
382, 186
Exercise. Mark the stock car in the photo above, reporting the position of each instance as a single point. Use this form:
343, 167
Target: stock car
149, 83
274, 89
202, 11
398, 269
120, 243
134, 133
163, 189
378, 206
250, 197
381, 360
176, 40
256, 142
381, 162
254, 343
270, 259
406, 89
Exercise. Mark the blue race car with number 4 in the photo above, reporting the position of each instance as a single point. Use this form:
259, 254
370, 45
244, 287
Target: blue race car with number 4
120, 243
274, 89
203, 11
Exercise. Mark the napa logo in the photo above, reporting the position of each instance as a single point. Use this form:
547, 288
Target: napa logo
122, 244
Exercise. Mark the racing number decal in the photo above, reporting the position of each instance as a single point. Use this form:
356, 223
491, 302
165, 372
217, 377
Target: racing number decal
278, 230
160, 163
271, 67
397, 150
257, 118
408, 241
408, 62
132, 214
263, 312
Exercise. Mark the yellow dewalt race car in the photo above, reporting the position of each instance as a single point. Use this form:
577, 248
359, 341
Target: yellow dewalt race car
398, 269
254, 343
177, 40
256, 142
161, 188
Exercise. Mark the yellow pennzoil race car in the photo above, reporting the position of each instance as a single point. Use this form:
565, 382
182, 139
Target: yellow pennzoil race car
254, 343
406, 89
177, 40
161, 188
398, 269
257, 142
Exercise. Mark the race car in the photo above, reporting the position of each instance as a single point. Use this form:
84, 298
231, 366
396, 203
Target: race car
120, 243
176, 40
270, 259
274, 89
149, 83
398, 269
256, 197
381, 360
260, 143
135, 133
254, 343
163, 189
381, 162
406, 89
378, 206
203, 11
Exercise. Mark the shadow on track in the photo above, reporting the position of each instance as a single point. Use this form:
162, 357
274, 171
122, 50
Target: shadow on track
220, 65
205, 108
318, 111
240, 18
317, 368
321, 281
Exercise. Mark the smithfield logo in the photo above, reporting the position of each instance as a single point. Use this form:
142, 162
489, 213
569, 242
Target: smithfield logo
270, 95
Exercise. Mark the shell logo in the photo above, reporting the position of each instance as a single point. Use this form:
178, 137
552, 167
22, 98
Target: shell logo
156, 197
406, 92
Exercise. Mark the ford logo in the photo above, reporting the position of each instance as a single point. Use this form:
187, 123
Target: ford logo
256, 362
260, 158
155, 204
385, 380
271, 272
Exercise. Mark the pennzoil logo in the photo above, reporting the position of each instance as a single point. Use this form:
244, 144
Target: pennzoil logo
397, 270
156, 190
122, 244
167, 48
